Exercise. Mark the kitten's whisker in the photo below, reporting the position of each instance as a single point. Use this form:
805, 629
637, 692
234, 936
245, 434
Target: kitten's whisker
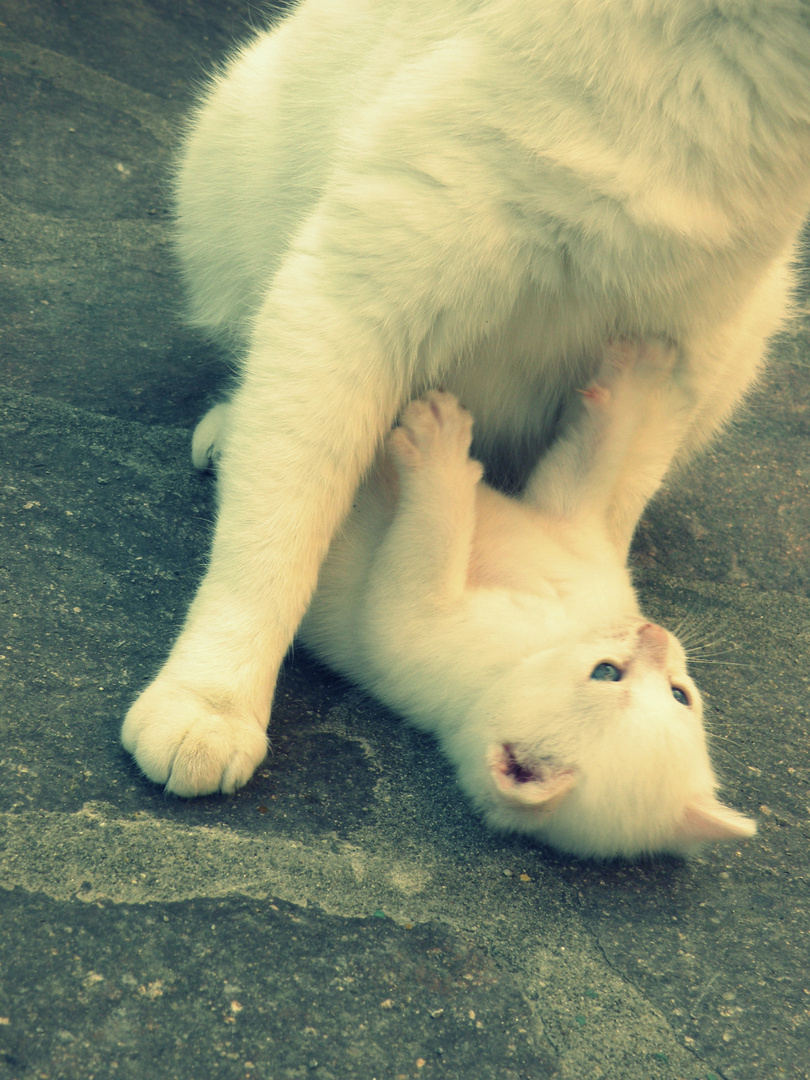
716, 643
715, 651
720, 742
725, 737
682, 630
725, 663
726, 754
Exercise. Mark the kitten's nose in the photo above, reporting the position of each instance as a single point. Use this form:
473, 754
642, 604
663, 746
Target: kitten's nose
653, 644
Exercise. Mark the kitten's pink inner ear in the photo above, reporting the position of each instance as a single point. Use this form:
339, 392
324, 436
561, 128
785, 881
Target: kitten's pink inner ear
538, 783
708, 820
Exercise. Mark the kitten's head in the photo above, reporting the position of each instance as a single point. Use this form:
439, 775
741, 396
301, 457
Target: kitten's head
598, 748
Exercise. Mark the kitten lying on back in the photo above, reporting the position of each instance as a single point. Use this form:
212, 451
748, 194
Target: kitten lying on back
511, 631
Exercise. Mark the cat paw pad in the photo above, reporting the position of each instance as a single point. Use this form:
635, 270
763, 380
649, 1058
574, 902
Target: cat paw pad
192, 744
433, 430
596, 395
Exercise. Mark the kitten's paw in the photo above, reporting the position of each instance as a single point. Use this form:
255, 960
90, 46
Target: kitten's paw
631, 367
434, 431
192, 744
596, 395
206, 442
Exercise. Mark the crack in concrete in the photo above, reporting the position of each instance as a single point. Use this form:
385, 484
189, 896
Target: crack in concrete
677, 1036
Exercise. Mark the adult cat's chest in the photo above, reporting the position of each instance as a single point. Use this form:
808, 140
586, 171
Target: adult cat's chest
578, 291
516, 381
573, 288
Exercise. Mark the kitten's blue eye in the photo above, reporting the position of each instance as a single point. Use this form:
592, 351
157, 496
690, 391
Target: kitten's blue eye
680, 695
606, 673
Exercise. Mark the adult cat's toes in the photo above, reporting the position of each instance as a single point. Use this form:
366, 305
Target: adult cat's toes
206, 442
432, 430
192, 745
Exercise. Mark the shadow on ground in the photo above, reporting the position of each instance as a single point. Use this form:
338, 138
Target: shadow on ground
344, 916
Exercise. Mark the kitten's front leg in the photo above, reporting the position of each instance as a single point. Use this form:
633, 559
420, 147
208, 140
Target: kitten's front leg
653, 401
425, 555
416, 633
621, 437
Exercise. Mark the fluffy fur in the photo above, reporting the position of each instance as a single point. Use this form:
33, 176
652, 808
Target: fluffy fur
380, 196
510, 628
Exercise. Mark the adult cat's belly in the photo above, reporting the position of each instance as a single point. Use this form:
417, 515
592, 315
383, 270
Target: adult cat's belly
516, 382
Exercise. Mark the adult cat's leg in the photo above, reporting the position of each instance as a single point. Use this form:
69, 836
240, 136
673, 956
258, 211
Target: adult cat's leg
317, 394
351, 319
209, 437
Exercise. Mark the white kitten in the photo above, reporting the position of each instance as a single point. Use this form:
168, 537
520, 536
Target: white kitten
511, 629
375, 198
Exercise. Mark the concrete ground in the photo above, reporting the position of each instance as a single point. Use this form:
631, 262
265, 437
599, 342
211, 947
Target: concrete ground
345, 916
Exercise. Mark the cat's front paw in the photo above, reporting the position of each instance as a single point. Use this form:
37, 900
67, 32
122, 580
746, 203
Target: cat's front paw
434, 431
192, 744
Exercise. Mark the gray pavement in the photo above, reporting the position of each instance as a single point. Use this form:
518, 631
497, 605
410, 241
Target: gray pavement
345, 916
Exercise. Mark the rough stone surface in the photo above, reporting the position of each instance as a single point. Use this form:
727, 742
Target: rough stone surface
344, 916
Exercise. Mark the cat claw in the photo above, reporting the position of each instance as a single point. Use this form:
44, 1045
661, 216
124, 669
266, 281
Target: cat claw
433, 430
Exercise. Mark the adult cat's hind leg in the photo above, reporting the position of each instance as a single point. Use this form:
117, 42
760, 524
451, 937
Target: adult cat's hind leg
209, 436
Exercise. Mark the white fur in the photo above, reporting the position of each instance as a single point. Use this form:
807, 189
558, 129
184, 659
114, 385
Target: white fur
482, 618
381, 195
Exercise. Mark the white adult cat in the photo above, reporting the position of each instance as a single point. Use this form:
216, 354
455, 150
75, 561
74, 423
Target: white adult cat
511, 629
380, 196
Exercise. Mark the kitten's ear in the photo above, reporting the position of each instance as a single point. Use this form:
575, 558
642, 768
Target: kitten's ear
528, 781
707, 819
